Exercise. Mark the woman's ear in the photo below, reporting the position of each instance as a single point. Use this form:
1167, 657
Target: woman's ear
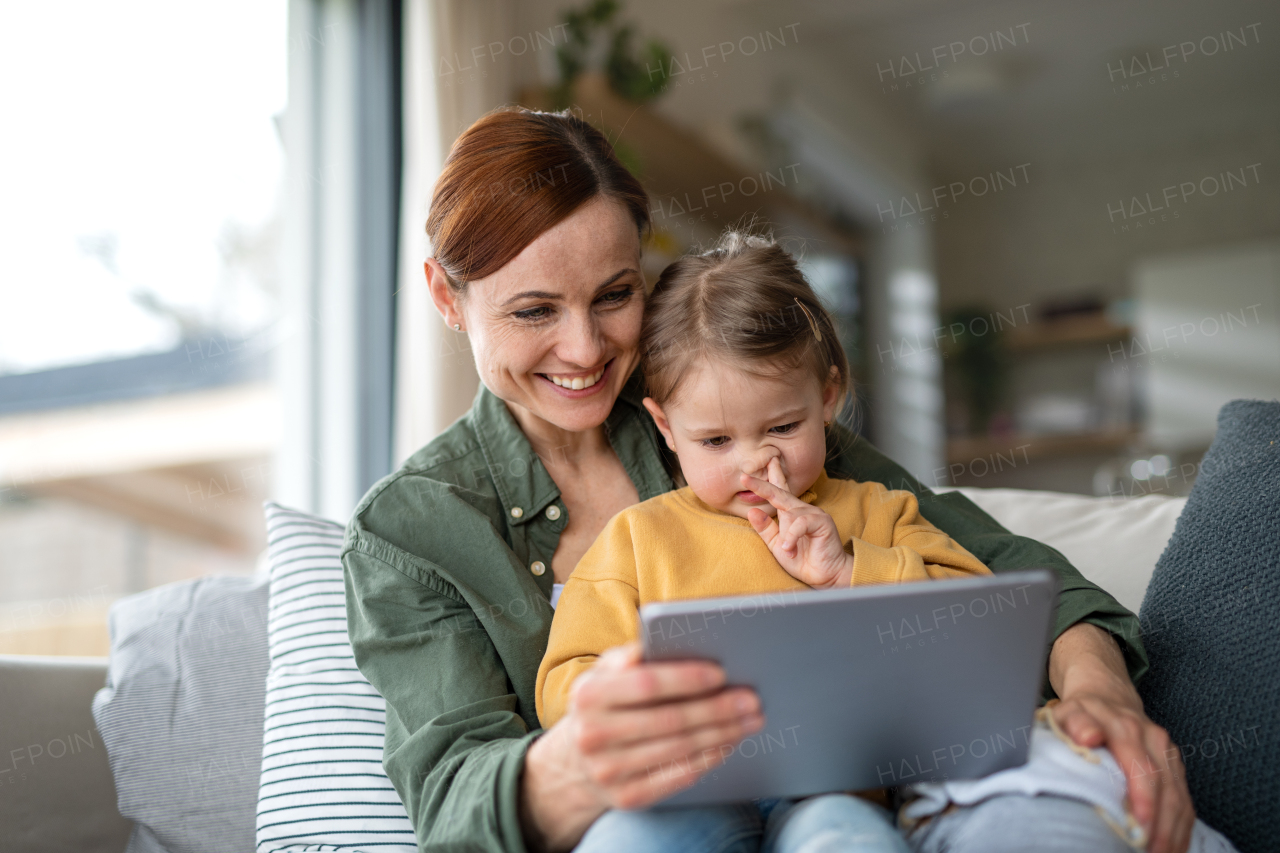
442, 293
660, 418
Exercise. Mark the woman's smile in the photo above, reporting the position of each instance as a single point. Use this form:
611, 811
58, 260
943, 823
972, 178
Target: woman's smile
576, 385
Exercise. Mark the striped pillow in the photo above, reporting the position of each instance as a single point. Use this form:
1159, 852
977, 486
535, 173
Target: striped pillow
323, 785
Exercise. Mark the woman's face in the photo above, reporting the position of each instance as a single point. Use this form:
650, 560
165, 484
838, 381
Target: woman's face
556, 331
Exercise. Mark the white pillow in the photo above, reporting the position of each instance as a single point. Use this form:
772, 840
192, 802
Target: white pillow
1114, 542
323, 786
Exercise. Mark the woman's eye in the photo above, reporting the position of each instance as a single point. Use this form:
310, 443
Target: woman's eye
718, 441
785, 428
539, 313
614, 297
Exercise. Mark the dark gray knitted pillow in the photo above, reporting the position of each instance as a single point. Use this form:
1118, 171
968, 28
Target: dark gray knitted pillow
1211, 624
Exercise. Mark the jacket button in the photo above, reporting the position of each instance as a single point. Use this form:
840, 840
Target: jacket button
553, 512
516, 512
538, 567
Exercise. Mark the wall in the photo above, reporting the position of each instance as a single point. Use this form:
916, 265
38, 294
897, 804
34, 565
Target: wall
1063, 233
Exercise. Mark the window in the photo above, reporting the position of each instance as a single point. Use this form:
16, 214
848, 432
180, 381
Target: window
142, 165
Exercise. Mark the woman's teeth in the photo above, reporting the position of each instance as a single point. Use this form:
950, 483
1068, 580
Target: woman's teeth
576, 383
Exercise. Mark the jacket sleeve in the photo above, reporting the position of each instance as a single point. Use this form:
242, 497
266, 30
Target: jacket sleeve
899, 546
455, 740
598, 609
852, 457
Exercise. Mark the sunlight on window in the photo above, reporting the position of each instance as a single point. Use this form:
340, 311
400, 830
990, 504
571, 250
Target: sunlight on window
142, 174
141, 170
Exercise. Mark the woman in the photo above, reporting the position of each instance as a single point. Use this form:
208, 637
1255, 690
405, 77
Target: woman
451, 562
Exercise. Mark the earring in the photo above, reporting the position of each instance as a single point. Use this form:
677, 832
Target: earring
457, 327
826, 423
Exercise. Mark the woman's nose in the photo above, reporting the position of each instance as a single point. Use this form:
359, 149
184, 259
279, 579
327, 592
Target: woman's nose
581, 342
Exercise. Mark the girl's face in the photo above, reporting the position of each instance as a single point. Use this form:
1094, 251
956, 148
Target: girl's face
724, 422
555, 332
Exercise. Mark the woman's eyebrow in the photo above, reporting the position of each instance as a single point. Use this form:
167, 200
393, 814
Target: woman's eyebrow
611, 279
531, 294
546, 294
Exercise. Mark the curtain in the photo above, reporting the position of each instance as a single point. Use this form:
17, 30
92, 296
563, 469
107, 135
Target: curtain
454, 74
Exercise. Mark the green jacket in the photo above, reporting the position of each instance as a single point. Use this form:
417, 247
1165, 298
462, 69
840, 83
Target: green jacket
449, 621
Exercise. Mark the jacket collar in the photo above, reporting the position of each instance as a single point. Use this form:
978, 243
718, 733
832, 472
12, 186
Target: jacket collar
521, 480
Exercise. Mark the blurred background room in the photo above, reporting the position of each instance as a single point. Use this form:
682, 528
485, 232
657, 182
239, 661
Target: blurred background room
1050, 234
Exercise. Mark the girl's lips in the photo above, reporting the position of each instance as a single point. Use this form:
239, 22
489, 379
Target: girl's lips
599, 385
750, 497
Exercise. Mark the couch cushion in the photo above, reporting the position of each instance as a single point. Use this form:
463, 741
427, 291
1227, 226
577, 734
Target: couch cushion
323, 786
1114, 542
181, 715
53, 765
1209, 624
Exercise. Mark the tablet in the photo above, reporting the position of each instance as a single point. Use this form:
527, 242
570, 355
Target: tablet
871, 686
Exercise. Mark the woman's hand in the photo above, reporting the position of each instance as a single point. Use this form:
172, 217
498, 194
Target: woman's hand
1099, 707
803, 538
634, 733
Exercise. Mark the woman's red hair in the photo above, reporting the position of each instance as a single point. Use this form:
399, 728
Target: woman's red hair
512, 176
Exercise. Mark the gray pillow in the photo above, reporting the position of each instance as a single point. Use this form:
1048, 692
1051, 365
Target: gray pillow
181, 715
1209, 624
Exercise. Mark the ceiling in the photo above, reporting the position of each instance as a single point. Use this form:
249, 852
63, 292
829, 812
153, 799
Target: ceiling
1058, 93
1048, 96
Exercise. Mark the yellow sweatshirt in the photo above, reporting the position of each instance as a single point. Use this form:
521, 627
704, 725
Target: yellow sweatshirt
676, 547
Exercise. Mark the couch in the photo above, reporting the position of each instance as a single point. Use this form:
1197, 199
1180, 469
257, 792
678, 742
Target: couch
67, 801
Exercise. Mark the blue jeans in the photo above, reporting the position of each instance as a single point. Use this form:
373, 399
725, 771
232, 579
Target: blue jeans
1016, 824
825, 824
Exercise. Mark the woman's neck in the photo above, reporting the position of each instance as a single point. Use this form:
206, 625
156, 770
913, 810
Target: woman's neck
558, 447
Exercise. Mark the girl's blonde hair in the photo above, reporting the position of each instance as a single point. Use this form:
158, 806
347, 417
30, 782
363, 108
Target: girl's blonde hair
746, 302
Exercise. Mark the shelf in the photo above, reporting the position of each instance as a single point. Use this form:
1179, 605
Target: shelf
1069, 331
1024, 448
684, 176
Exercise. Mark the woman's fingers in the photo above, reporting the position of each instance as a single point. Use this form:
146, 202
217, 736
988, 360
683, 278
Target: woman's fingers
609, 728
1125, 743
643, 775
623, 762
1122, 734
1175, 815
1079, 724
645, 730
619, 657
646, 684
1156, 783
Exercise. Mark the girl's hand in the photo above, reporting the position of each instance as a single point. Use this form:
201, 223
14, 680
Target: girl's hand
802, 538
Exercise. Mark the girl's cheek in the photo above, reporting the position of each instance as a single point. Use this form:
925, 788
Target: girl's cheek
698, 475
711, 474
807, 460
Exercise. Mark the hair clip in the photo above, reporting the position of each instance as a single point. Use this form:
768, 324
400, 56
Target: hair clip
812, 322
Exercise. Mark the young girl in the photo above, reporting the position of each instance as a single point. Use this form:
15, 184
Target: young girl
744, 372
